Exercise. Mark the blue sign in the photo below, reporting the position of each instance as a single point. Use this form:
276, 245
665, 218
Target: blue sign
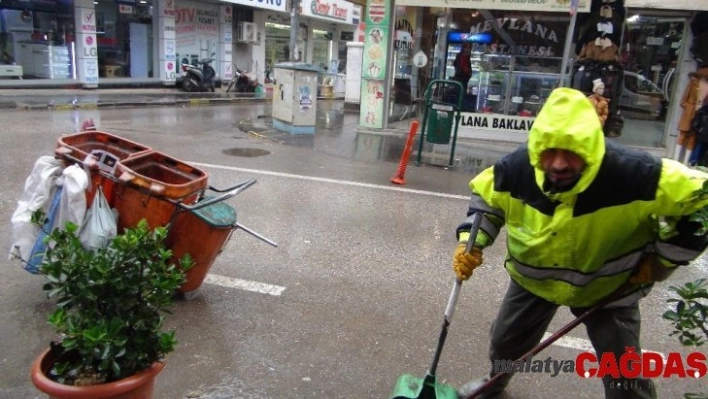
464, 37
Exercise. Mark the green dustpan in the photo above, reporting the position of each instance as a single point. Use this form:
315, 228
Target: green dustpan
410, 387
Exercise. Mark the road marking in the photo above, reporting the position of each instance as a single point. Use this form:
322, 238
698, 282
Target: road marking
566, 342
583, 345
253, 286
325, 180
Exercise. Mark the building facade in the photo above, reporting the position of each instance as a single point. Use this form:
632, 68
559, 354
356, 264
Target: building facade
521, 50
89, 42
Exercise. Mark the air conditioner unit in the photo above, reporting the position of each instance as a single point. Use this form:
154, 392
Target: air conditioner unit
247, 32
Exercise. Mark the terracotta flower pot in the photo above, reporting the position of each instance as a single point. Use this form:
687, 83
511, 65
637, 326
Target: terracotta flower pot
138, 386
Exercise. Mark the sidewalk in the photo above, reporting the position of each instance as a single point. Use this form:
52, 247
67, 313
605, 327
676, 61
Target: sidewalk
123, 97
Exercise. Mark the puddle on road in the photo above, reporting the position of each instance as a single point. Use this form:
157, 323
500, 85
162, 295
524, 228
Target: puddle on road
245, 152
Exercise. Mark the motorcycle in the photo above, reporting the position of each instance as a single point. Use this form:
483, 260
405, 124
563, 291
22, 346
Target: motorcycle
199, 78
242, 82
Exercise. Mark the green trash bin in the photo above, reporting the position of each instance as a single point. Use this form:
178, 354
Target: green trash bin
440, 121
441, 118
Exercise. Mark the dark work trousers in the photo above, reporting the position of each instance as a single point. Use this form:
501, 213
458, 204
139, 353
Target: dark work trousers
524, 317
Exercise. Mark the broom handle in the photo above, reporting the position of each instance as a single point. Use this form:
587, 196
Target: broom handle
557, 335
450, 309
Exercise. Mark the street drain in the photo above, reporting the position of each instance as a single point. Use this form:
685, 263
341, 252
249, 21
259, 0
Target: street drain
245, 152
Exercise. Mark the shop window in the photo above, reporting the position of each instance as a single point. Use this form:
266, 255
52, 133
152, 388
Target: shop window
36, 41
124, 36
514, 58
649, 55
278, 42
321, 51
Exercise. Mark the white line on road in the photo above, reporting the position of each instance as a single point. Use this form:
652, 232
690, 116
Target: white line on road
566, 342
582, 345
334, 181
253, 286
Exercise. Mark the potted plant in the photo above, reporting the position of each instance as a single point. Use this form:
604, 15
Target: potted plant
109, 313
689, 307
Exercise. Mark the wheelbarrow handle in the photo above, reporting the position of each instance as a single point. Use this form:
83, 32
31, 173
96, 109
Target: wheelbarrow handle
618, 293
211, 201
253, 233
223, 190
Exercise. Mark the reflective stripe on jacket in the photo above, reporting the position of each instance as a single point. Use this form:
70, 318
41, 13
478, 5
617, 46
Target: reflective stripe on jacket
575, 247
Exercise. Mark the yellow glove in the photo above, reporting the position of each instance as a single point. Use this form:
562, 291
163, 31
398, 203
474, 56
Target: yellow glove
465, 263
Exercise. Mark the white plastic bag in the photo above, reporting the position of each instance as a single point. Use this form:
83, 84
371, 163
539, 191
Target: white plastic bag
99, 225
38, 193
72, 207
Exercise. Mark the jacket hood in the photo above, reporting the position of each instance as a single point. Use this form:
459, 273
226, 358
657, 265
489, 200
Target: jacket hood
567, 121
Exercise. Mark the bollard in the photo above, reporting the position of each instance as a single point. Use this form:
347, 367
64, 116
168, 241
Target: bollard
399, 177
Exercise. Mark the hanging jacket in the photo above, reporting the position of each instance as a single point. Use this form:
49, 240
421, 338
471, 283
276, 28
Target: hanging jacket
576, 247
688, 103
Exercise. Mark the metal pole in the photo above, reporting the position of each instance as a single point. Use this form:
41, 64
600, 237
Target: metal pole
294, 29
566, 49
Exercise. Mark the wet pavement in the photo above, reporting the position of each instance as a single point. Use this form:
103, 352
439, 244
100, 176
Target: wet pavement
338, 133
357, 286
125, 97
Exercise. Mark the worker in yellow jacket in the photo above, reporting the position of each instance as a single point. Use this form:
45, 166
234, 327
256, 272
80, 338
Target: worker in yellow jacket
583, 216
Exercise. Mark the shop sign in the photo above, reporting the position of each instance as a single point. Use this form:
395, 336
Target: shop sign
227, 14
169, 8
515, 5
374, 65
125, 9
202, 19
88, 20
277, 5
525, 34
170, 50
330, 10
90, 70
170, 68
496, 122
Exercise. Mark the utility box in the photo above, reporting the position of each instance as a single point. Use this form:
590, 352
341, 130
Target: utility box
295, 97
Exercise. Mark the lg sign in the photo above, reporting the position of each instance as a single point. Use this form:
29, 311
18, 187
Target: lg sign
90, 48
169, 68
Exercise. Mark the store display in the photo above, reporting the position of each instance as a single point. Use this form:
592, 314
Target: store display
516, 85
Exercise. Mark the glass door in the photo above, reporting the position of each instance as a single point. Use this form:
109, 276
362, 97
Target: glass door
650, 49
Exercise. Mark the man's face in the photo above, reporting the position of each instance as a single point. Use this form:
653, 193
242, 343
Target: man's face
562, 167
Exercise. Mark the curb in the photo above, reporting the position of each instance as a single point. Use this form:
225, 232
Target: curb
126, 104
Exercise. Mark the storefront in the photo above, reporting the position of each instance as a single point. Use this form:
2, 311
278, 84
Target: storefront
520, 51
516, 56
37, 40
127, 41
124, 37
319, 40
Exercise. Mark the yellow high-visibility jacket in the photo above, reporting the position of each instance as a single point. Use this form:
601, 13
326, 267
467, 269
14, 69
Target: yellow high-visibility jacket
575, 247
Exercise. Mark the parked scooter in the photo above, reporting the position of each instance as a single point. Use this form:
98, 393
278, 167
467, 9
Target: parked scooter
242, 82
199, 78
